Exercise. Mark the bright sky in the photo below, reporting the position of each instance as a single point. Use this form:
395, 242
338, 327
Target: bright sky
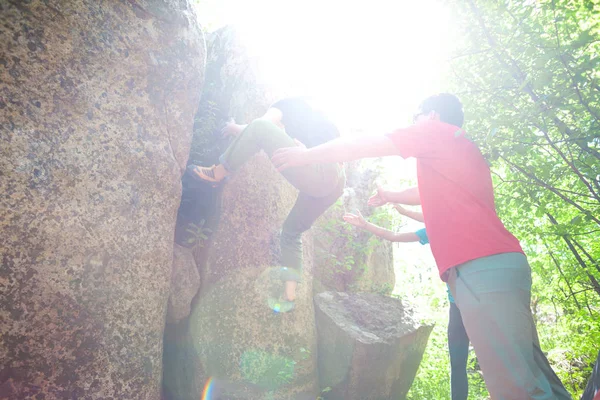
369, 63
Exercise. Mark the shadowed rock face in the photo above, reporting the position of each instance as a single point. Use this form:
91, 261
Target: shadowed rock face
97, 100
370, 347
232, 336
185, 282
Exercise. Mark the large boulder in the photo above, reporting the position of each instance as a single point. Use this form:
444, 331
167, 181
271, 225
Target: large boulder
233, 342
348, 258
370, 346
97, 101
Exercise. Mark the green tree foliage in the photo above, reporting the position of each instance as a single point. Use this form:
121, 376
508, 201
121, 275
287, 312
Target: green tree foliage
528, 73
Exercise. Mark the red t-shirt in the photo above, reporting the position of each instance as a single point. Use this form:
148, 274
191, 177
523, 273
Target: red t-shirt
457, 195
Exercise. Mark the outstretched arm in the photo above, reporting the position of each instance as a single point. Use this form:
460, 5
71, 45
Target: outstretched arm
408, 196
416, 215
359, 221
391, 236
338, 150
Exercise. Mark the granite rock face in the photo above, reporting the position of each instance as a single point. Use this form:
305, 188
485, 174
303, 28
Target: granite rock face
370, 347
97, 100
349, 259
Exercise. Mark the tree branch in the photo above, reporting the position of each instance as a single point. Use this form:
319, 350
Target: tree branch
552, 189
517, 73
562, 274
582, 263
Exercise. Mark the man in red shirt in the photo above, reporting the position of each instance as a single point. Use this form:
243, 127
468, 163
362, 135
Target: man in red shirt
482, 262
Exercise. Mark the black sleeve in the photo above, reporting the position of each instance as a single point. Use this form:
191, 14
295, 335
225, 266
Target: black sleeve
292, 106
305, 123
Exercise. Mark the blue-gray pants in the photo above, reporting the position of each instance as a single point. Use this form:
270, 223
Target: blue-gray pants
493, 295
458, 346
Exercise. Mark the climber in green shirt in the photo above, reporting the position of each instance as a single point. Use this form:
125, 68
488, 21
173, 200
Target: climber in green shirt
288, 122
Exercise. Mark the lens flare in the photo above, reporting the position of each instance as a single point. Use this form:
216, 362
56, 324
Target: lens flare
208, 389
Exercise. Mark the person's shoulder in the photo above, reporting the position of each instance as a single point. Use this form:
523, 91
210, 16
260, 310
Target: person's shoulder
448, 134
295, 101
427, 127
443, 128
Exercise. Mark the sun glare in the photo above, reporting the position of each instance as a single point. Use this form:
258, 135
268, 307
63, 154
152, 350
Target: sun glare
368, 63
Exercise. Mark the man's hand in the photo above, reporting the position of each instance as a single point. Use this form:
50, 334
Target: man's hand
356, 220
287, 157
378, 199
231, 129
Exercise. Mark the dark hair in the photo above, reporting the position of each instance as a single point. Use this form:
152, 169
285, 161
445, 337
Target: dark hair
306, 123
447, 105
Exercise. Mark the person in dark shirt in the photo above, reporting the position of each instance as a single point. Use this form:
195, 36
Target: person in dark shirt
288, 122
